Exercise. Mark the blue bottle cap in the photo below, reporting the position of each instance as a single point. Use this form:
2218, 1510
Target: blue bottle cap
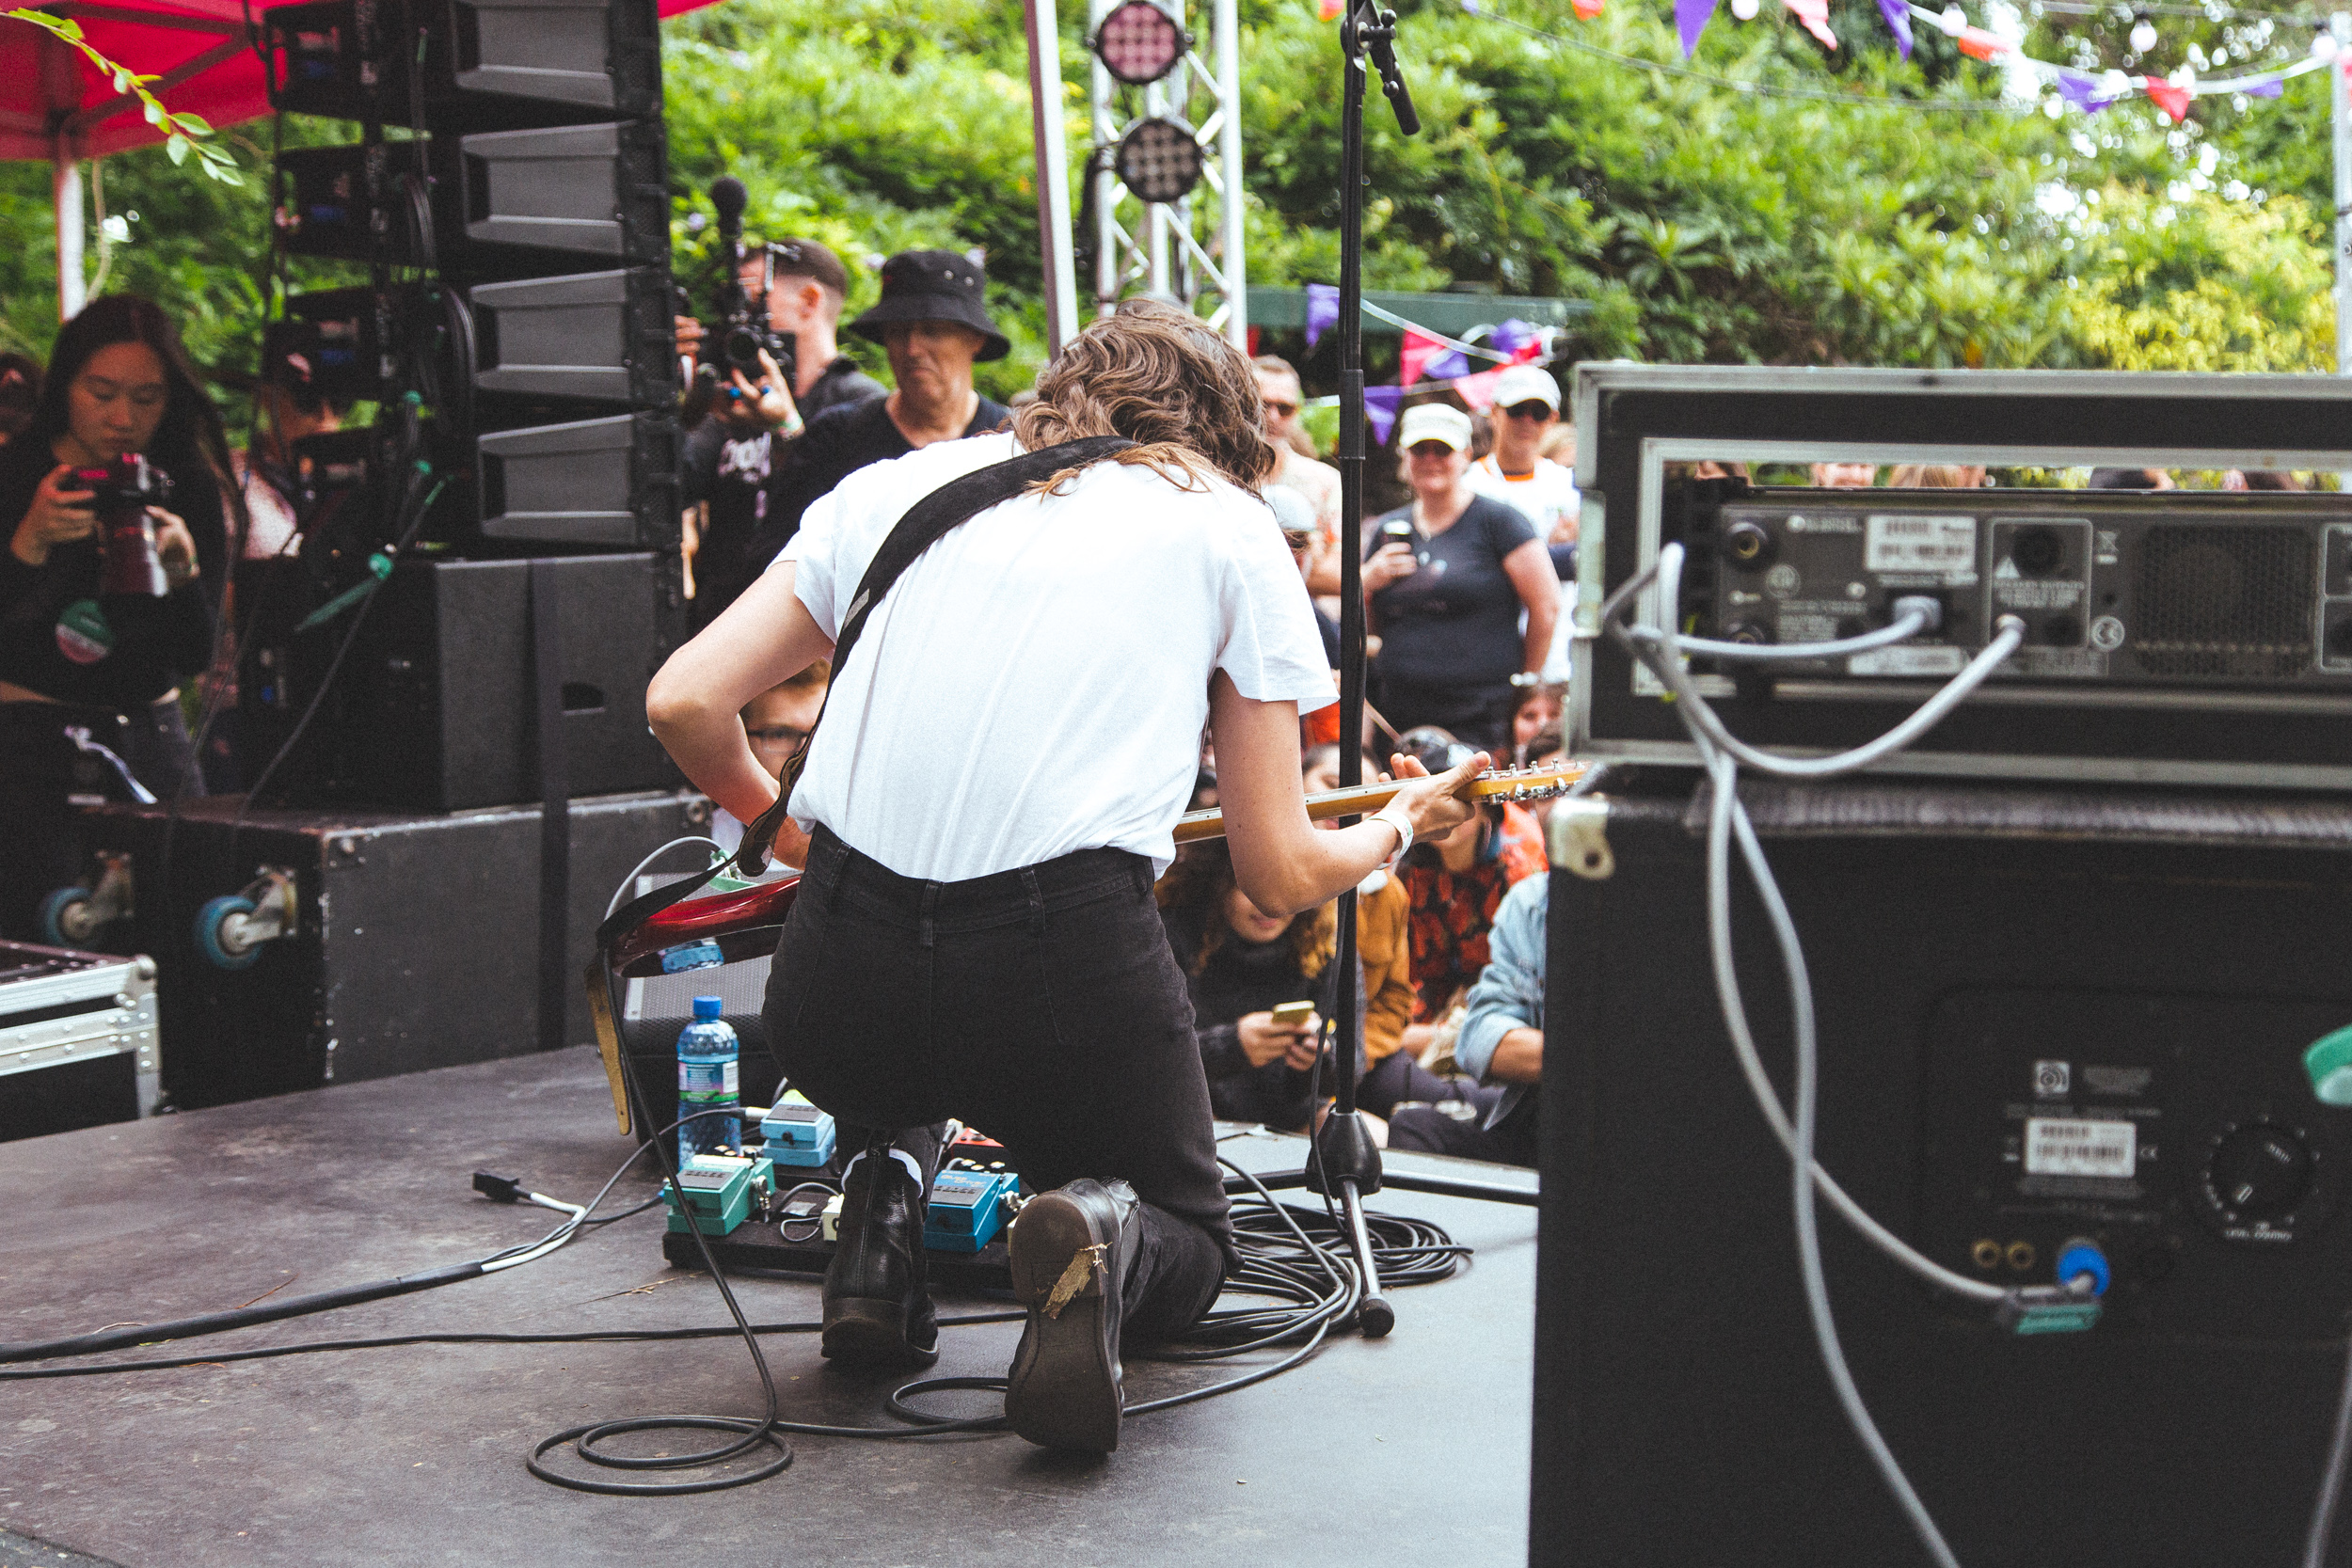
708, 1006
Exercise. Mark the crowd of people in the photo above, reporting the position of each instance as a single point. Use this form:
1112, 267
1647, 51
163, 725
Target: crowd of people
1465, 590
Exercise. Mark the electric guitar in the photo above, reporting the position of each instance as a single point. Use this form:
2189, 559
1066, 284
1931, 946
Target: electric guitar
1496, 784
742, 920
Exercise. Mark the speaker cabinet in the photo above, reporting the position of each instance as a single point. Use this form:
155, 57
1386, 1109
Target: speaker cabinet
2045, 1014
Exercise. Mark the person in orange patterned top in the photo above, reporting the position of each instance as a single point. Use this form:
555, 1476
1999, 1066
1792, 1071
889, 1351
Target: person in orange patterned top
1454, 881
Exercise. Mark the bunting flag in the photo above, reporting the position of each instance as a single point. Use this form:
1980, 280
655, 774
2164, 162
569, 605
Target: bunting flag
1815, 15
1898, 17
1323, 310
1380, 406
1330, 11
2087, 92
1691, 20
1420, 348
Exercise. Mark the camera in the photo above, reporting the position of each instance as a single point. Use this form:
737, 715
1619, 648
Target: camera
744, 331
120, 493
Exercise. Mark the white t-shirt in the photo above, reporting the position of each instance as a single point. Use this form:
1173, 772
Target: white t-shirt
1038, 681
1544, 498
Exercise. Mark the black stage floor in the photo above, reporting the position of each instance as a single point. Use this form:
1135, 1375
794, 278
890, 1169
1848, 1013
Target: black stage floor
1410, 1449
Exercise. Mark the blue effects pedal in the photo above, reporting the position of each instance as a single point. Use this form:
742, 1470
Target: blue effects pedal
967, 1209
798, 1134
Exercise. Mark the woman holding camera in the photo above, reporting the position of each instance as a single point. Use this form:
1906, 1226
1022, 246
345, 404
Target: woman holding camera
1445, 581
106, 595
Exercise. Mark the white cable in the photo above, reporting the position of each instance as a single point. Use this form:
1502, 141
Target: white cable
1659, 648
1909, 624
2330, 1480
1725, 774
1723, 816
547, 1244
631, 881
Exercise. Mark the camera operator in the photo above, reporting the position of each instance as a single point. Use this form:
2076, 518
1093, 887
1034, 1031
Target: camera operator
76, 646
933, 320
798, 287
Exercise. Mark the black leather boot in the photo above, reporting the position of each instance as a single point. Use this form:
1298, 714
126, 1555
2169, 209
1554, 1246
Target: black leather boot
877, 1311
1072, 1249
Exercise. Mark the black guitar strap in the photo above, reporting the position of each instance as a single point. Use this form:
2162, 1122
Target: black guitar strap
926, 522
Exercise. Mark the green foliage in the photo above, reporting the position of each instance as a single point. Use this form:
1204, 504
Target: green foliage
2199, 283
1839, 206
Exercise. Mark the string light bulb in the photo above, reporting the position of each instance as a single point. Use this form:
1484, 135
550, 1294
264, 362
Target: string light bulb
2143, 34
2324, 46
1745, 10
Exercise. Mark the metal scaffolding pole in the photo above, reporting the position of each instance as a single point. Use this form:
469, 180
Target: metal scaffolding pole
1053, 173
1230, 264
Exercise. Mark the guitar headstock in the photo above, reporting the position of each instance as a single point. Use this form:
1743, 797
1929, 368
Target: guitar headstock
1528, 784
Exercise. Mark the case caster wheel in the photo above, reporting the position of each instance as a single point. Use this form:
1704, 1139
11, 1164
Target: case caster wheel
220, 933
64, 915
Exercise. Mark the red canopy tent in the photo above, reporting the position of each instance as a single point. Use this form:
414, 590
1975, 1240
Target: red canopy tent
56, 106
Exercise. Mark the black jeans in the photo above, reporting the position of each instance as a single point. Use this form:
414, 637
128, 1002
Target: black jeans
1042, 1007
1512, 1141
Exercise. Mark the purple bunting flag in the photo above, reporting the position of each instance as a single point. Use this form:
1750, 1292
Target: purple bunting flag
1898, 16
1691, 20
2272, 88
1380, 406
1323, 310
2082, 91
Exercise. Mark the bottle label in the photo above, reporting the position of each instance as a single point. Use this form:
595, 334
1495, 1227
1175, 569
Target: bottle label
707, 1079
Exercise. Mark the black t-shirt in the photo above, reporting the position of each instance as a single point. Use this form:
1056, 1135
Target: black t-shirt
835, 445
59, 637
1456, 622
1241, 978
731, 472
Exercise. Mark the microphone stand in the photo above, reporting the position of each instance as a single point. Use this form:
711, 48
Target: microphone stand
1346, 1166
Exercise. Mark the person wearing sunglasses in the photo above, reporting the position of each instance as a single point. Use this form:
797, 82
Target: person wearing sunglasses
1527, 405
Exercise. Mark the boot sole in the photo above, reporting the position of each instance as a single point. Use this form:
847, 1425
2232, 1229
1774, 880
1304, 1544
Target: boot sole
862, 1333
1063, 1389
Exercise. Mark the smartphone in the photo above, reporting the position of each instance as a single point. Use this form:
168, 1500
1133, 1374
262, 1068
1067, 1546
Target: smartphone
1290, 1015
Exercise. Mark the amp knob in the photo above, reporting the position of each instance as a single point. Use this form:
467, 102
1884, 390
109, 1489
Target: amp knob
2258, 1174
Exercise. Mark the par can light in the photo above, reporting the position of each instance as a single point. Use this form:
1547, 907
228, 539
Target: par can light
1159, 160
1138, 42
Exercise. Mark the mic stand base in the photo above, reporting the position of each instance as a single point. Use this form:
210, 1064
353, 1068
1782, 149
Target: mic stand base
1347, 1168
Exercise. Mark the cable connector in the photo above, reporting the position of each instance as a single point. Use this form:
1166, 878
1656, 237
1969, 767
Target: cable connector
2047, 1310
500, 1189
1918, 604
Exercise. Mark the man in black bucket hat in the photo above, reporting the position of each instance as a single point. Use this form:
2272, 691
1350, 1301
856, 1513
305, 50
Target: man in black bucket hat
933, 320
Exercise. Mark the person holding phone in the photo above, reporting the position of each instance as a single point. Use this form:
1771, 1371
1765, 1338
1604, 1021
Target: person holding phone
1262, 986
1459, 588
71, 654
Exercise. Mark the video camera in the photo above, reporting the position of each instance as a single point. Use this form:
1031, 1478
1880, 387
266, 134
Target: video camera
742, 331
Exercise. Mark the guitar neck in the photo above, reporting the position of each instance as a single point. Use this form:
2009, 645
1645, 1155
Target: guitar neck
1526, 784
1358, 801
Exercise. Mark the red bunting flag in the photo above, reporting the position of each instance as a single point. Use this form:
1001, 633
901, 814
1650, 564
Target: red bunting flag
1587, 9
1329, 10
1420, 348
1815, 15
2170, 97
1978, 45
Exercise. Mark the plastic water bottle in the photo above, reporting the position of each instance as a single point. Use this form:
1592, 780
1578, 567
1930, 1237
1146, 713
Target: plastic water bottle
707, 1055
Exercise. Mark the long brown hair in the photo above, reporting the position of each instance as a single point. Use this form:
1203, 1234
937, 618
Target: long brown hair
1163, 378
189, 441
1202, 878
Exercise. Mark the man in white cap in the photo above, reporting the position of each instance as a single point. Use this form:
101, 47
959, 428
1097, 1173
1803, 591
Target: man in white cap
1527, 405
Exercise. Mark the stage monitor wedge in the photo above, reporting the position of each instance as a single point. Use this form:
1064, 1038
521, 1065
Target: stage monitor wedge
487, 64
610, 481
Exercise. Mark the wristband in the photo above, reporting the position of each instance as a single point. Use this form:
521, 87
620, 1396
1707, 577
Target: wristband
1403, 827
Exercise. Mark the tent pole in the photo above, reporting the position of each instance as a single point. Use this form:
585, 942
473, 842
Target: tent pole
66, 190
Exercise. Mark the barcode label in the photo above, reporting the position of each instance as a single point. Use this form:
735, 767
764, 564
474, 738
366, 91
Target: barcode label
2073, 1147
1895, 543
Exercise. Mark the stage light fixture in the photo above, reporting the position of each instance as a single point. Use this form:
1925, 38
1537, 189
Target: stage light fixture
1138, 42
1159, 160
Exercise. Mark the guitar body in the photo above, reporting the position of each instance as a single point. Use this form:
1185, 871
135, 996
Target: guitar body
743, 923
